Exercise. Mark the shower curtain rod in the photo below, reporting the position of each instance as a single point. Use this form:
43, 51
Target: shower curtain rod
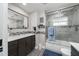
63, 8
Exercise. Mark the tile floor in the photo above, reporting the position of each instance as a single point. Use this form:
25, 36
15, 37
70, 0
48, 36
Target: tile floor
36, 52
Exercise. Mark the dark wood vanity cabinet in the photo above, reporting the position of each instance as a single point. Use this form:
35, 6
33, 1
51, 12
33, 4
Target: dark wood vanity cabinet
33, 42
28, 44
21, 47
12, 48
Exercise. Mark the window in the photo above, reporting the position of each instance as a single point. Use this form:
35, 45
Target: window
61, 21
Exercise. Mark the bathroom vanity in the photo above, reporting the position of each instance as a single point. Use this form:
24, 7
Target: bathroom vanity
21, 45
20, 42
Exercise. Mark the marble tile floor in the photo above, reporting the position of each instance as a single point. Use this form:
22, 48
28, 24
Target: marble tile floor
36, 52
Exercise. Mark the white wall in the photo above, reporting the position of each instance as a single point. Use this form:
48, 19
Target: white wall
3, 27
40, 38
42, 14
17, 9
33, 20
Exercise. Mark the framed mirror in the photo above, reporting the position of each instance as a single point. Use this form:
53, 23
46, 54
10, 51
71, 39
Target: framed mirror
17, 20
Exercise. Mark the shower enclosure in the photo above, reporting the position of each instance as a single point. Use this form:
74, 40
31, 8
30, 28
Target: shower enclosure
65, 24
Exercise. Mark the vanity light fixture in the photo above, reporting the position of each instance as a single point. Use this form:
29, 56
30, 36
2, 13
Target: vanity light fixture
24, 3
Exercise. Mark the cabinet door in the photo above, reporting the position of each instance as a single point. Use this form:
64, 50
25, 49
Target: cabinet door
28, 45
32, 42
21, 47
12, 48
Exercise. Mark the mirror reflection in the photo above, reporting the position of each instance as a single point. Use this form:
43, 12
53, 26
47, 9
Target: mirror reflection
16, 20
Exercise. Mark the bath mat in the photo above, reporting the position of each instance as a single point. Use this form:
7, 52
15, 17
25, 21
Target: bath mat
50, 53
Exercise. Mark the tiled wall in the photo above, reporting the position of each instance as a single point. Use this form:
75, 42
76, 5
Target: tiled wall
67, 34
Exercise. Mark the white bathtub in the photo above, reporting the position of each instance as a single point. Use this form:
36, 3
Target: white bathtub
59, 46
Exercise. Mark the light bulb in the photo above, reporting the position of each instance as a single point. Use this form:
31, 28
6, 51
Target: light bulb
24, 3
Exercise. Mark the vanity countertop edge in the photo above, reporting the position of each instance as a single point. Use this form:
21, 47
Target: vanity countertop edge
16, 37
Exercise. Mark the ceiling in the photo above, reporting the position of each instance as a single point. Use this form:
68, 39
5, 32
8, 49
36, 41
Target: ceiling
31, 7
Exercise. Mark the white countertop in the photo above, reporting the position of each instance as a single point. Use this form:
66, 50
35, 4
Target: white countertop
75, 45
16, 37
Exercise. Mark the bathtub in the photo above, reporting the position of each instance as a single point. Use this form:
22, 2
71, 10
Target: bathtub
59, 46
